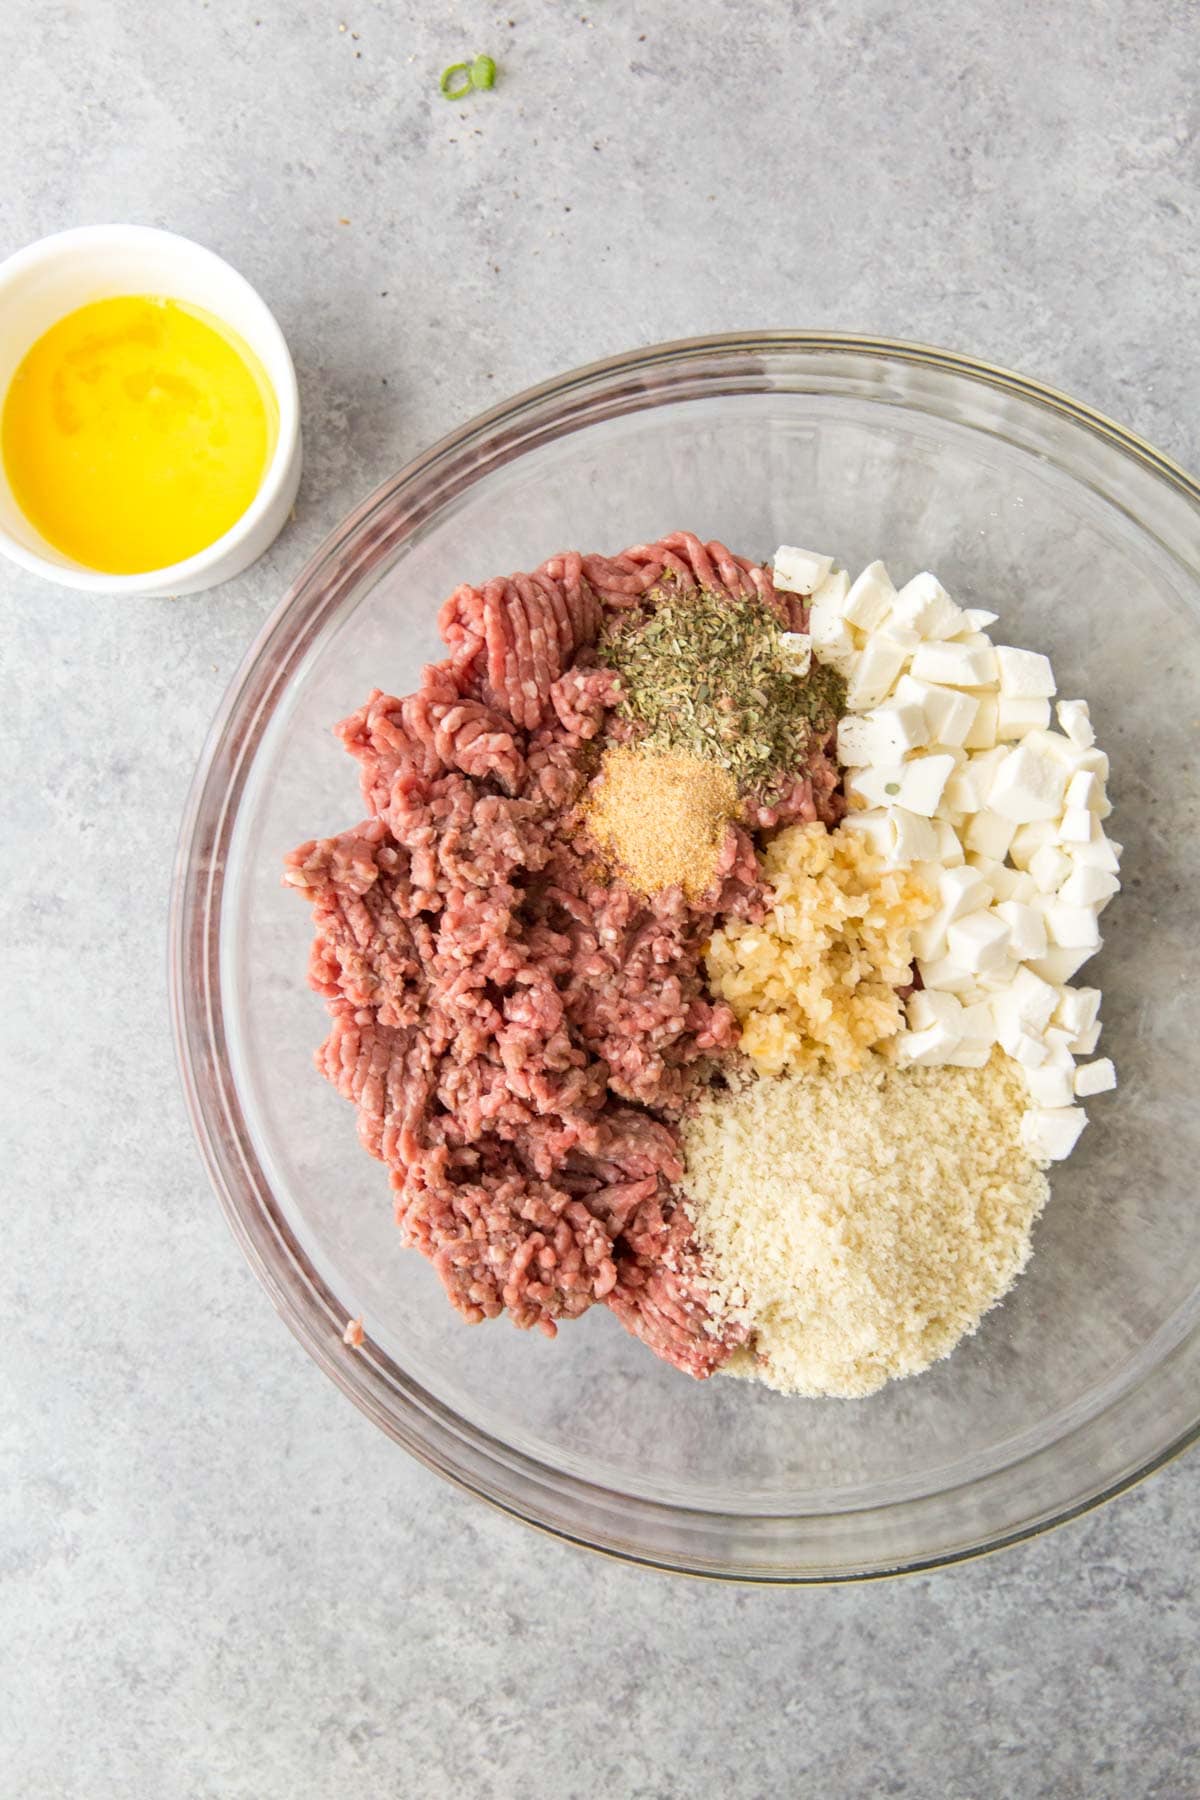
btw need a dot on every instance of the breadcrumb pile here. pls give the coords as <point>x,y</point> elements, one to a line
<point>862,1224</point>
<point>815,984</point>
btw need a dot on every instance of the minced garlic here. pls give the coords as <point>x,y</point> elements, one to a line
<point>816,981</point>
<point>862,1224</point>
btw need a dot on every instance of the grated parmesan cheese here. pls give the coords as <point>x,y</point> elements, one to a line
<point>861,1225</point>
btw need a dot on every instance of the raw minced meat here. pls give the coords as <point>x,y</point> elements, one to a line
<point>518,1033</point>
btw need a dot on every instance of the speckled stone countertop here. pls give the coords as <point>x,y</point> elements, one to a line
<point>216,1578</point>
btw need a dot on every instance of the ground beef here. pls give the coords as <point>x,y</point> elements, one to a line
<point>517,1032</point>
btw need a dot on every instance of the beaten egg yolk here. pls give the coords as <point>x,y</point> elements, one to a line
<point>136,432</point>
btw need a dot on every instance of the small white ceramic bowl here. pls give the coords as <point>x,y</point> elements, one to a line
<point>43,282</point>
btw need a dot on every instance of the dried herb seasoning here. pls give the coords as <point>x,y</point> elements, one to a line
<point>708,675</point>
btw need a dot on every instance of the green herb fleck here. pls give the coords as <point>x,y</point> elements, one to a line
<point>891,787</point>
<point>478,74</point>
<point>706,674</point>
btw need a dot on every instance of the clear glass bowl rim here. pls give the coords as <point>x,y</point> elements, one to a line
<point>772,1549</point>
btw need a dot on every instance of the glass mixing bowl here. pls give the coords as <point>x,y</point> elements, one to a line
<point>1087,542</point>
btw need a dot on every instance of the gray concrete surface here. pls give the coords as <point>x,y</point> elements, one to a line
<point>216,1579</point>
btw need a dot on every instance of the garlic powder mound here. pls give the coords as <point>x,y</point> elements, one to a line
<point>816,982</point>
<point>861,1225</point>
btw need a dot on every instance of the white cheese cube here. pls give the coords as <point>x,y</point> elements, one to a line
<point>977,1023</point>
<point>899,727</point>
<point>833,646</point>
<point>950,713</point>
<point>977,619</point>
<point>1077,1009</point>
<point>1085,791</point>
<point>800,571</point>
<point>901,635</point>
<point>934,1007</point>
<point>948,975</point>
<point>913,838</point>
<point>1026,928</point>
<point>983,729</point>
<point>1058,965</point>
<point>925,606</point>
<point>1002,880</point>
<point>833,590</point>
<point>1058,1048</point>
<point>978,942</point>
<point>1028,785</point>
<point>874,825</point>
<point>1049,868</point>
<point>1088,887</point>
<point>1053,743</point>
<point>1014,718</point>
<point>870,599</point>
<point>969,1055</point>
<point>922,783</point>
<point>1027,1050</point>
<point>961,891</point>
<point>877,667</point>
<point>1033,998</point>
<point>879,785</point>
<point>929,938</point>
<point>955,665</point>
<point>1050,1085</point>
<point>1093,760</point>
<point>797,651</point>
<point>1078,826</point>
<point>989,834</point>
<point>1086,1042</point>
<point>949,847</point>
<point>994,982</point>
<point>1095,1078</point>
<point>1024,675</point>
<point>1028,840</point>
<point>1050,1133</point>
<point>855,741</point>
<point>1073,927</point>
<point>964,790</point>
<point>1075,718</point>
<point>926,1049</point>
<point>1100,853</point>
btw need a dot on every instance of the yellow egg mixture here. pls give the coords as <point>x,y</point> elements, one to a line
<point>136,431</point>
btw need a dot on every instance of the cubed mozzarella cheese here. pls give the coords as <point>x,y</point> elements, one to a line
<point>1050,1085</point>
<point>1085,1042</point>
<point>797,650</point>
<point>1028,840</point>
<point>1033,998</point>
<point>925,606</point>
<point>955,665</point>
<point>950,713</point>
<point>913,838</point>
<point>1075,718</point>
<point>899,727</point>
<point>1026,928</point>
<point>947,974</point>
<point>1099,853</point>
<point>874,825</point>
<point>989,834</point>
<point>1049,867</point>
<point>978,941</point>
<point>799,571</point>
<point>870,598</point>
<point>922,783</point>
<point>1024,675</point>
<point>1088,887</point>
<point>1095,1078</point>
<point>1050,1133</point>
<point>1085,791</point>
<point>875,669</point>
<point>1072,927</point>
<point>926,1049</point>
<point>977,619</point>
<point>855,741</point>
<point>961,891</point>
<point>934,1007</point>
<point>1058,965</point>
<point>949,845</point>
<point>1028,785</point>
<point>1078,826</point>
<point>1077,1009</point>
<point>983,729</point>
<point>1014,718</point>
